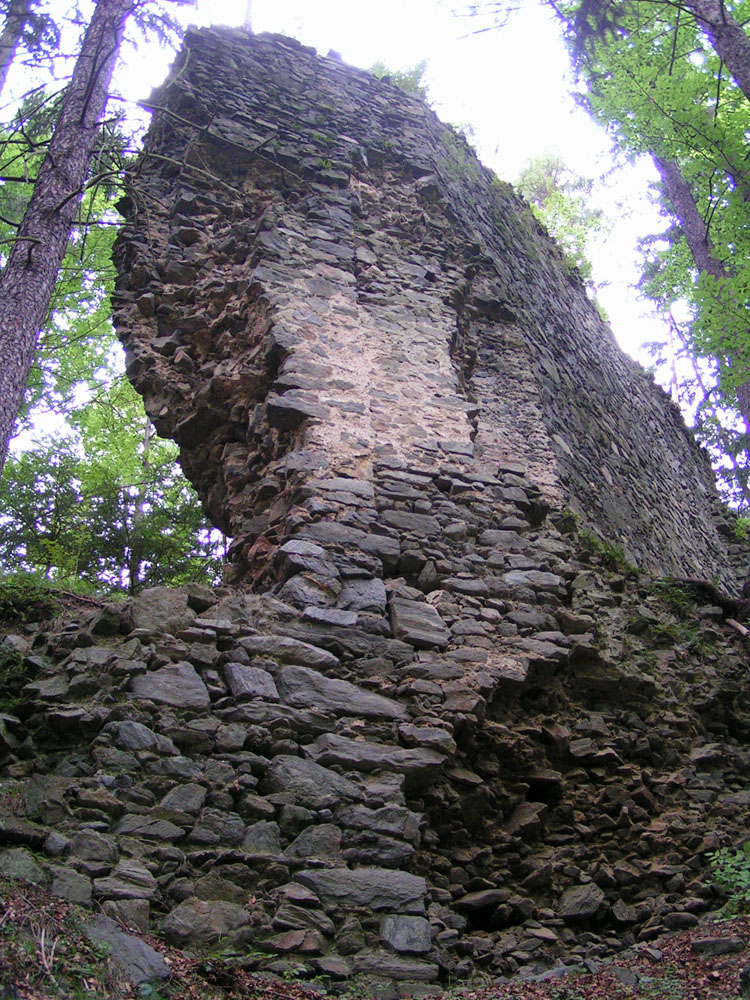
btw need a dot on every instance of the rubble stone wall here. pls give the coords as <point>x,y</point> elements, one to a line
<point>318,275</point>
<point>438,729</point>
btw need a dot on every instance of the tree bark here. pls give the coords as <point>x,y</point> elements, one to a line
<point>730,42</point>
<point>692,224</point>
<point>15,22</point>
<point>696,234</point>
<point>28,280</point>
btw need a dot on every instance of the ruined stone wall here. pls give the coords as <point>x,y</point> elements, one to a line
<point>437,730</point>
<point>318,275</point>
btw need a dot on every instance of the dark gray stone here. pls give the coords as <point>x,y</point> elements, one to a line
<point>262,838</point>
<point>322,841</point>
<point>309,784</point>
<point>421,767</point>
<point>250,682</point>
<point>203,922</point>
<point>305,688</point>
<point>177,685</point>
<point>582,902</point>
<point>286,650</point>
<point>140,962</point>
<point>373,888</point>
<point>406,934</point>
<point>363,595</point>
<point>418,623</point>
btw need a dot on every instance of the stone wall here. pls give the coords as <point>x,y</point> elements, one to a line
<point>439,729</point>
<point>318,275</point>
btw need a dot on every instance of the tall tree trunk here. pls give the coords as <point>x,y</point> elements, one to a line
<point>28,279</point>
<point>15,22</point>
<point>695,231</point>
<point>730,42</point>
<point>692,223</point>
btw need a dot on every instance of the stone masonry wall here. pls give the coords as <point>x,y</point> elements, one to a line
<point>436,730</point>
<point>318,276</point>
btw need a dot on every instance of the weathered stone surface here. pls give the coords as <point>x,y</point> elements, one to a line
<point>717,945</point>
<point>18,862</point>
<point>322,841</point>
<point>418,623</point>
<point>140,962</point>
<point>363,595</point>
<point>187,798</point>
<point>201,923</point>
<point>406,934</point>
<point>214,826</point>
<point>286,650</point>
<point>389,966</point>
<point>291,917</point>
<point>71,886</point>
<point>149,828</point>
<point>309,784</point>
<point>162,609</point>
<point>135,736</point>
<point>262,838</point>
<point>177,684</point>
<point>250,682</point>
<point>421,767</point>
<point>582,902</point>
<point>307,688</point>
<point>395,821</point>
<point>375,888</point>
<point>129,880</point>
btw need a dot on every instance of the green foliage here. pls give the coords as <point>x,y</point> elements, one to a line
<point>25,597</point>
<point>655,83</point>
<point>609,554</point>
<point>730,870</point>
<point>105,507</point>
<point>410,80</point>
<point>561,201</point>
<point>458,159</point>
<point>675,595</point>
<point>14,674</point>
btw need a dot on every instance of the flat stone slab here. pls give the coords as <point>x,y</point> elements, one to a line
<point>391,821</point>
<point>406,934</point>
<point>580,903</point>
<point>140,962</point>
<point>386,965</point>
<point>308,784</point>
<point>404,520</point>
<point>534,578</point>
<point>305,688</point>
<point>420,766</point>
<point>177,684</point>
<point>286,650</point>
<point>419,624</point>
<point>374,888</point>
<point>250,682</point>
<point>203,922</point>
<point>331,532</point>
<point>162,609</point>
<point>359,487</point>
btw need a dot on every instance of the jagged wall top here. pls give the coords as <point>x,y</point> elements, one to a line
<point>319,276</point>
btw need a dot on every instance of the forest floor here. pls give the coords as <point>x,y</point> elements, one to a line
<point>45,955</point>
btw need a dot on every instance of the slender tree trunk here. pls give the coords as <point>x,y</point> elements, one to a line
<point>730,42</point>
<point>15,22</point>
<point>692,224</point>
<point>696,234</point>
<point>28,279</point>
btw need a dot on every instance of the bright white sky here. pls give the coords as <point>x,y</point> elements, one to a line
<point>511,86</point>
